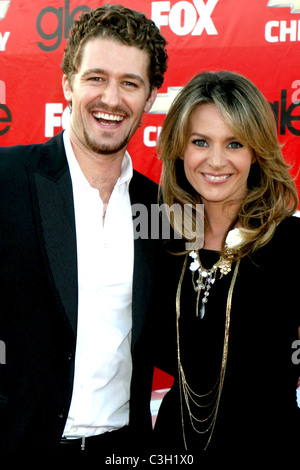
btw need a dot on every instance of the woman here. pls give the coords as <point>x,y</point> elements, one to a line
<point>230,309</point>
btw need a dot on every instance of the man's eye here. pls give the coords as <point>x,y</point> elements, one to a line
<point>130,84</point>
<point>95,79</point>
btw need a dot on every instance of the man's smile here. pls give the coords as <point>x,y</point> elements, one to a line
<point>108,119</point>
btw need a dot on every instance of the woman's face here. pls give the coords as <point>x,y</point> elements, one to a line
<point>215,163</point>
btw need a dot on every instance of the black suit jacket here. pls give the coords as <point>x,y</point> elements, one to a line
<point>38,296</point>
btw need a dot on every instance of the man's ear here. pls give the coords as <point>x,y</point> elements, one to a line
<point>67,88</point>
<point>150,100</point>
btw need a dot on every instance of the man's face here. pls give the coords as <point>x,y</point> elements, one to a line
<point>109,94</point>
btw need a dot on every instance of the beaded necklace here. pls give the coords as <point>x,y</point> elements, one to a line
<point>207,277</point>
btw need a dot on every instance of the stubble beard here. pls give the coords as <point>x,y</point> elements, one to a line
<point>105,149</point>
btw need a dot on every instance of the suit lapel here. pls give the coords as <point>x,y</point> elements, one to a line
<point>54,207</point>
<point>141,279</point>
<point>144,261</point>
<point>53,202</point>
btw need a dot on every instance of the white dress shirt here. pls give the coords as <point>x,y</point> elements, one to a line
<point>103,366</point>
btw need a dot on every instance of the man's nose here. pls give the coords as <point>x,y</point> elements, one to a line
<point>111,94</point>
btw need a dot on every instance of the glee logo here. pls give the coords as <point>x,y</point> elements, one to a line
<point>5,114</point>
<point>285,115</point>
<point>61,19</point>
<point>184,17</point>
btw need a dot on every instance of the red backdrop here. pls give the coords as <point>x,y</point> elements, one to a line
<point>258,38</point>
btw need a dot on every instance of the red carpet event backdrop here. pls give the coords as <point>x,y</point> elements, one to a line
<point>257,38</point>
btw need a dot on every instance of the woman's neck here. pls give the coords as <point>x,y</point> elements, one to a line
<point>218,222</point>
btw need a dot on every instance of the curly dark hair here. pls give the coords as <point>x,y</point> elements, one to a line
<point>124,25</point>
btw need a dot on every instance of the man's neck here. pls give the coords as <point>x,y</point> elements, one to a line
<point>101,171</point>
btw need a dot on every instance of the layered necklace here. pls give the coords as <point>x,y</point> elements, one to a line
<point>207,277</point>
<point>207,403</point>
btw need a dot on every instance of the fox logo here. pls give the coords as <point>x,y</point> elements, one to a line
<point>3,8</point>
<point>293,4</point>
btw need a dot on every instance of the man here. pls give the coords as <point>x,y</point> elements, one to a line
<point>75,282</point>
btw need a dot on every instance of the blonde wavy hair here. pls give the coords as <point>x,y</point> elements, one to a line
<point>272,194</point>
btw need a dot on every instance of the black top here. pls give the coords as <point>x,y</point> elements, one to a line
<point>258,408</point>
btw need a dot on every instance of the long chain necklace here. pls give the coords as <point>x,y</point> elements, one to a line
<point>207,277</point>
<point>211,399</point>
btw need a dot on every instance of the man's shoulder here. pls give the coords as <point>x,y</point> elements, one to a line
<point>18,156</point>
<point>17,151</point>
<point>14,160</point>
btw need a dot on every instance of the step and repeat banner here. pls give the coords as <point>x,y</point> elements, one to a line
<point>257,38</point>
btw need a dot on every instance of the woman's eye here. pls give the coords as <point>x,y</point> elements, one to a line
<point>235,145</point>
<point>200,142</point>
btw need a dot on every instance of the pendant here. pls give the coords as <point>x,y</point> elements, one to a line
<point>206,278</point>
<point>202,311</point>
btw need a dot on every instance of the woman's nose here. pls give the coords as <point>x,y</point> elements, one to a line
<point>217,158</point>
